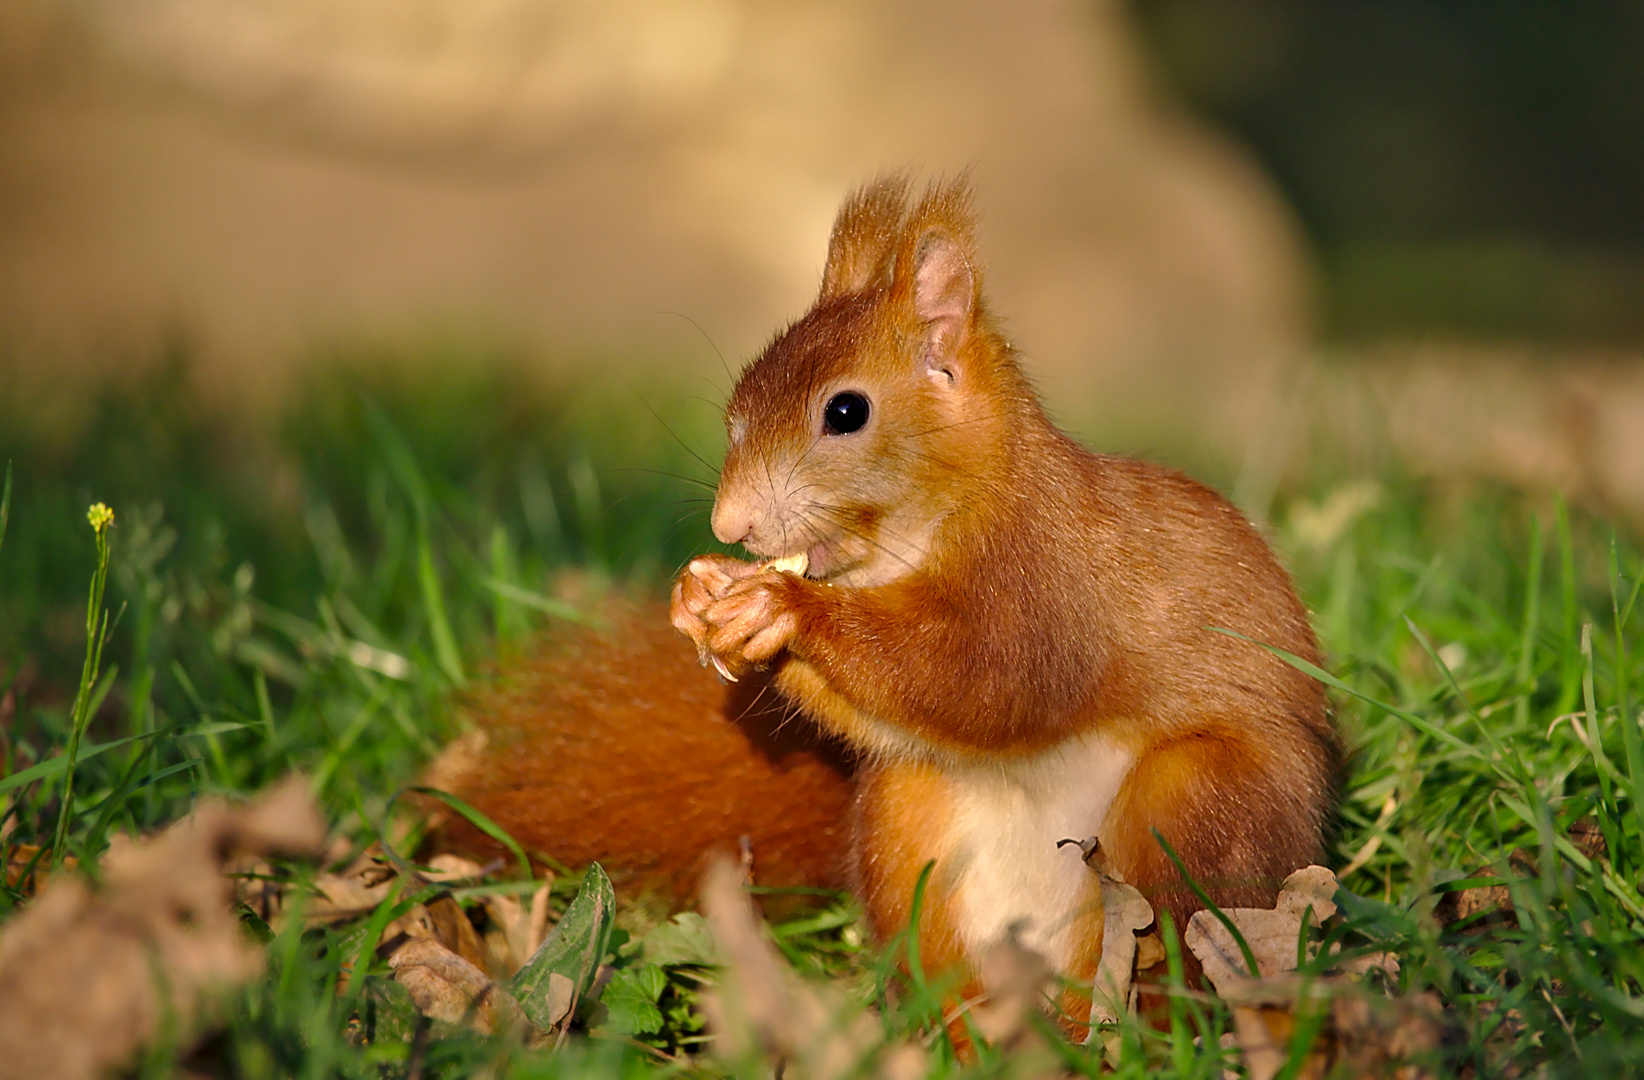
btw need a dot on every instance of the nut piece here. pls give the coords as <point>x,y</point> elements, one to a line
<point>792,564</point>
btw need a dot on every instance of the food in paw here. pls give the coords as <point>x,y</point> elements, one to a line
<point>792,564</point>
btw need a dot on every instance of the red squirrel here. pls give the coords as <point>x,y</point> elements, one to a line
<point>1015,639</point>
<point>1017,636</point>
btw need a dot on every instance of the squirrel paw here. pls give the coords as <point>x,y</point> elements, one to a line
<point>753,621</point>
<point>735,613</point>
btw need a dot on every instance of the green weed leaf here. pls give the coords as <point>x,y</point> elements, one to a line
<point>684,939</point>
<point>631,998</point>
<point>572,953</point>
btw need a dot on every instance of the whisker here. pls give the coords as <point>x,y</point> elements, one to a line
<point>801,458</point>
<point>837,513</point>
<point>716,406</point>
<point>683,444</point>
<point>672,476</point>
<point>705,337</point>
<point>949,427</point>
<point>926,455</point>
<point>751,705</point>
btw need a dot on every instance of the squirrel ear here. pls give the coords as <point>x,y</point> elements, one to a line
<point>944,296</point>
<point>862,247</point>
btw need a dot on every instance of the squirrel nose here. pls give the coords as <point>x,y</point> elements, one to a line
<point>732,523</point>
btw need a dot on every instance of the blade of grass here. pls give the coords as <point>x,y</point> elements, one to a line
<point>1631,744</point>
<point>482,823</point>
<point>105,812</point>
<point>5,505</point>
<point>559,609</point>
<point>1500,751</point>
<point>1608,817</point>
<point>1532,618</point>
<point>1615,885</point>
<point>402,463</point>
<point>1209,904</point>
<point>1570,690</point>
<point>433,601</point>
<point>338,753</point>
<point>1417,722</point>
<point>55,766</point>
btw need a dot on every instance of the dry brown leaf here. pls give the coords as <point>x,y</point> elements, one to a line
<point>255,886</point>
<point>28,867</point>
<point>449,926</point>
<point>1150,950</point>
<point>357,890</point>
<point>1370,1036</point>
<point>448,869</point>
<point>447,987</point>
<point>540,914</point>
<point>1495,902</point>
<point>1015,978</point>
<point>1125,912</point>
<point>761,1010</point>
<point>1367,1035</point>
<point>1271,934</point>
<point>353,892</point>
<point>86,978</point>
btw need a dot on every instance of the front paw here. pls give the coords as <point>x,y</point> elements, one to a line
<point>752,622</point>
<point>703,582</point>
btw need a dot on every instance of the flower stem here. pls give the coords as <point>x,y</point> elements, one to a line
<point>101,518</point>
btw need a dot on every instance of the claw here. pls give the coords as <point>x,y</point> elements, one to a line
<point>724,672</point>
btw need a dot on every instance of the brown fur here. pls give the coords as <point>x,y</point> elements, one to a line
<point>983,589</point>
<point>612,744</point>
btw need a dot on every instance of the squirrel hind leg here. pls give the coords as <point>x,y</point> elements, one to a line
<point>1239,816</point>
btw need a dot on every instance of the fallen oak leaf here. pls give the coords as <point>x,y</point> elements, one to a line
<point>760,1012</point>
<point>1490,901</point>
<point>448,924</point>
<point>351,893</point>
<point>1125,912</point>
<point>1014,977</point>
<point>87,977</point>
<point>1271,934</point>
<point>1338,1027</point>
<point>28,867</point>
<point>512,940</point>
<point>537,932</point>
<point>447,987</point>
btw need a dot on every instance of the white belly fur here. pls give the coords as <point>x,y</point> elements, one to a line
<point>1001,851</point>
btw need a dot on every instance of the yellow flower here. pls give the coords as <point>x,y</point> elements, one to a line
<point>100,516</point>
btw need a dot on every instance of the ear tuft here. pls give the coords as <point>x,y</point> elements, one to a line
<point>944,295</point>
<point>862,247</point>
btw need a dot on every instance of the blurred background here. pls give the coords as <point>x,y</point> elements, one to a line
<point>1284,244</point>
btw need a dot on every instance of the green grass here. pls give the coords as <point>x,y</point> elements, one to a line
<point>312,596</point>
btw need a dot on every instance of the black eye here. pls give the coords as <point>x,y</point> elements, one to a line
<point>845,413</point>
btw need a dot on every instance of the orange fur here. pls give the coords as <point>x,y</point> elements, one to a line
<point>1018,635</point>
<point>612,744</point>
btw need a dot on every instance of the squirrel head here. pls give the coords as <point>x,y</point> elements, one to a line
<point>874,418</point>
